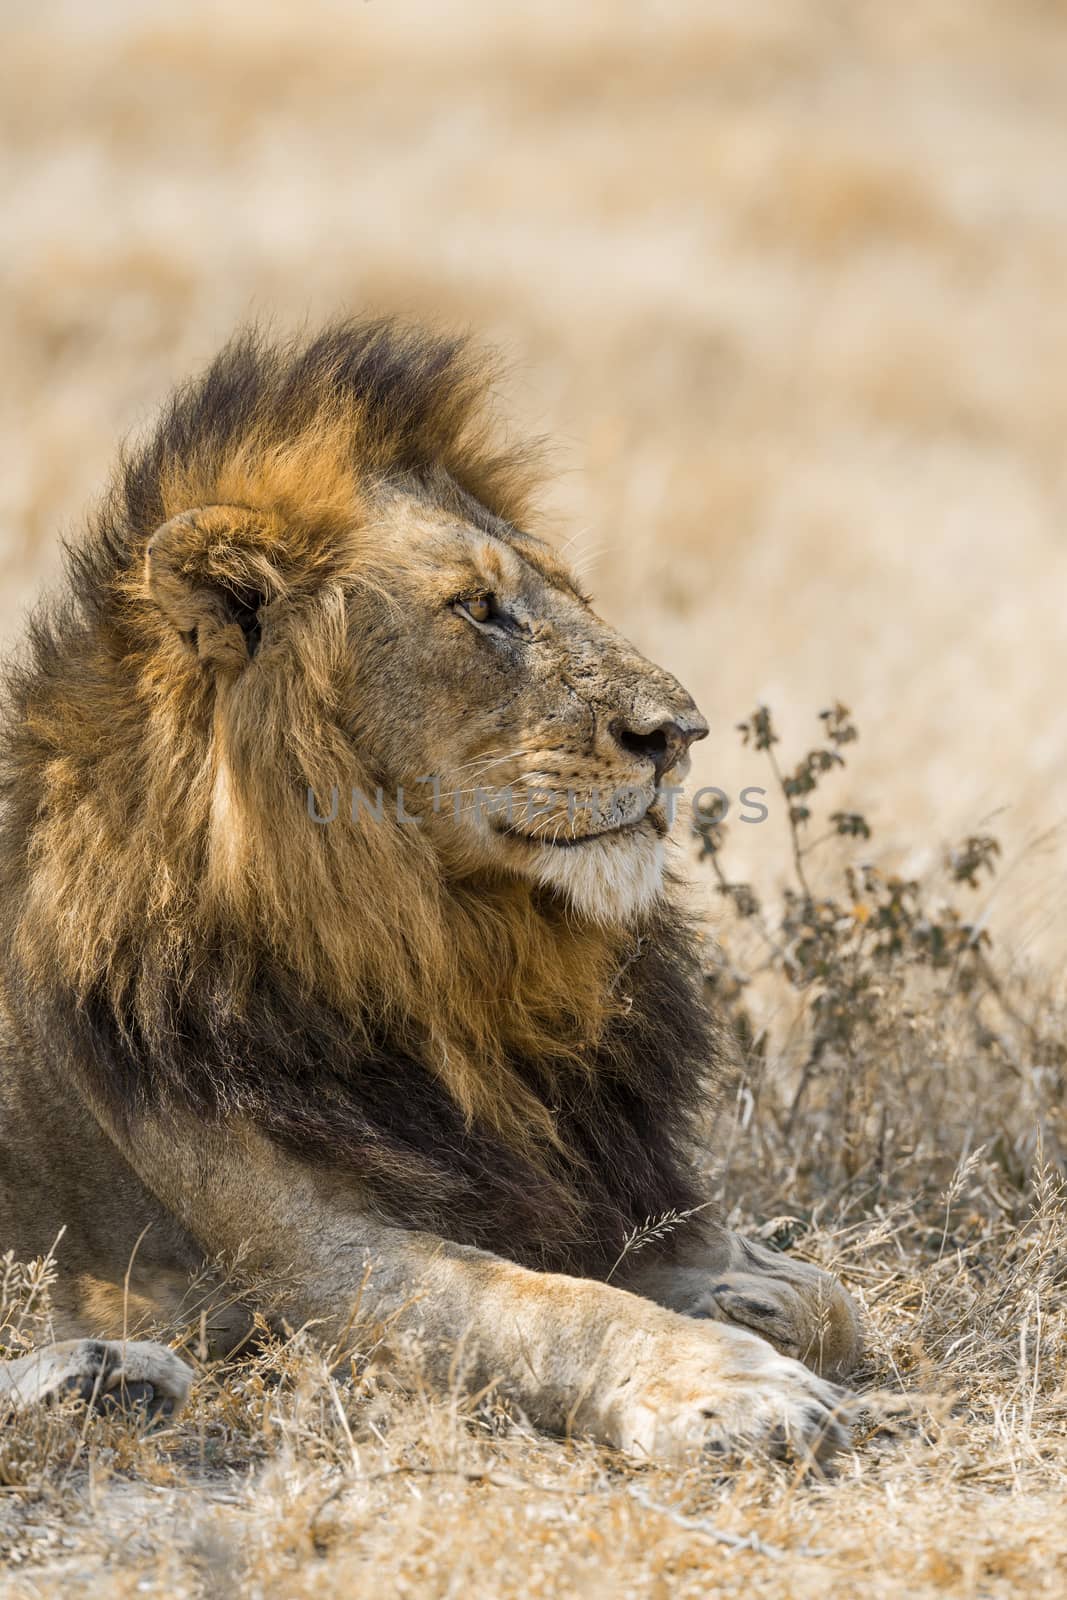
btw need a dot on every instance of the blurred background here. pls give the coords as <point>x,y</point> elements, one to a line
<point>783,280</point>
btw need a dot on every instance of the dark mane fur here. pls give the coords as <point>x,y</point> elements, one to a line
<point>288,1062</point>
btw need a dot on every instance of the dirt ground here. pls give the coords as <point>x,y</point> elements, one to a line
<point>782,280</point>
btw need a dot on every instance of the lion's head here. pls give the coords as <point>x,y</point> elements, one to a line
<point>486,701</point>
<point>466,669</point>
<point>318,581</point>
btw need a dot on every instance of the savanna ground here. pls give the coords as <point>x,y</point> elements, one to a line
<point>784,280</point>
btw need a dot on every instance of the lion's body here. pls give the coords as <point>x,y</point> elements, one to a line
<point>392,1040</point>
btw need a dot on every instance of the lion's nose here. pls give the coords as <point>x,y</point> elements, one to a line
<point>664,744</point>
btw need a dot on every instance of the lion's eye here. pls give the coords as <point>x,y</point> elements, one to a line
<point>480,609</point>
<point>485,611</point>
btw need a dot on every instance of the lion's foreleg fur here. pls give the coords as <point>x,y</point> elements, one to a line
<point>573,1354</point>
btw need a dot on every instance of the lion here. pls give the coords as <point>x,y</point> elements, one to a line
<point>340,937</point>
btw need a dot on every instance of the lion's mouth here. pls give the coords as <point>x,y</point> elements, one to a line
<point>618,830</point>
<point>569,843</point>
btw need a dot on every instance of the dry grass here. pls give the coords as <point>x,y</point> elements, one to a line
<point>785,280</point>
<point>284,1479</point>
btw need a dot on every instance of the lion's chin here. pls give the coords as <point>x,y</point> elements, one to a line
<point>612,879</point>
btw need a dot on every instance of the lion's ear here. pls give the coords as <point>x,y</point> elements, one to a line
<point>210,571</point>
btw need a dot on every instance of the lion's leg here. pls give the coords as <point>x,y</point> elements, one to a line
<point>574,1354</point>
<point>101,1372</point>
<point>802,1310</point>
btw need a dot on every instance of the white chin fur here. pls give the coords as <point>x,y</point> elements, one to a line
<point>611,880</point>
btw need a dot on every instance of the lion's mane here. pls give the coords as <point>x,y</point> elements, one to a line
<point>482,1063</point>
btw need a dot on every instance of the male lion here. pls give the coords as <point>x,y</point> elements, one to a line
<point>286,976</point>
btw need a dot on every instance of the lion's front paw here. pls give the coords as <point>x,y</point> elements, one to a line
<point>801,1309</point>
<point>729,1393</point>
<point>134,1375</point>
<point>804,1314</point>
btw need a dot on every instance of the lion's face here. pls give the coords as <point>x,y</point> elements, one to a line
<point>527,734</point>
